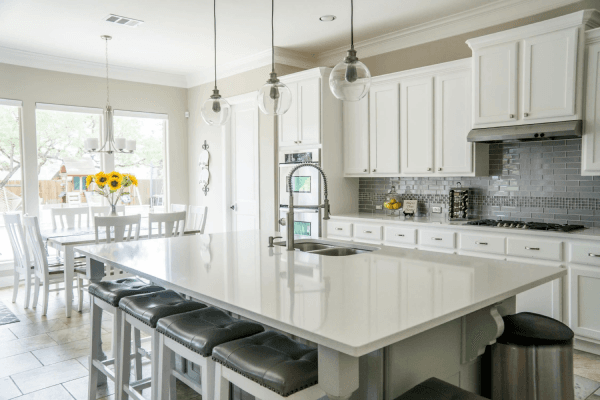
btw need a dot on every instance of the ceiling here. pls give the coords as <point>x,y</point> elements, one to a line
<point>176,36</point>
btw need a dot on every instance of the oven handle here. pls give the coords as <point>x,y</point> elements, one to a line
<point>300,210</point>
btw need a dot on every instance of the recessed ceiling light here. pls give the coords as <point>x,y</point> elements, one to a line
<point>327,18</point>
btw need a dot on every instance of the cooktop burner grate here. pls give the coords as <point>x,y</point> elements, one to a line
<point>538,226</point>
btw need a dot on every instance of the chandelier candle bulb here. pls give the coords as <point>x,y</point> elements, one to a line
<point>131,145</point>
<point>120,143</point>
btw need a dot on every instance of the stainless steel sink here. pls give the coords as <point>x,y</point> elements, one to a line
<point>326,248</point>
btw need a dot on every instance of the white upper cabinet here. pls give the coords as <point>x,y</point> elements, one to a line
<point>301,124</point>
<point>384,133</point>
<point>495,95</point>
<point>531,74</point>
<point>453,154</point>
<point>590,146</point>
<point>416,126</point>
<point>356,136</point>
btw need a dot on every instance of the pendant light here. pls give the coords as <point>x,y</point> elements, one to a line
<point>350,79</point>
<point>274,98</point>
<point>215,110</point>
<point>110,145</point>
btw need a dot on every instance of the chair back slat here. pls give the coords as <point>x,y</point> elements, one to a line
<point>104,211</point>
<point>169,224</point>
<point>36,244</point>
<point>115,228</point>
<point>18,242</point>
<point>197,219</point>
<point>68,217</point>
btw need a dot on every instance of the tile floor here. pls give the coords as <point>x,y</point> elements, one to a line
<point>45,358</point>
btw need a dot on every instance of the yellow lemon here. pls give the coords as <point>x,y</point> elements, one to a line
<point>396,206</point>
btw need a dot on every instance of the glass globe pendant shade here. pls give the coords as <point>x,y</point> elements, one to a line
<point>274,98</point>
<point>350,80</point>
<point>216,110</point>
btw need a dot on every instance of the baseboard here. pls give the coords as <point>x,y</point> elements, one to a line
<point>586,344</point>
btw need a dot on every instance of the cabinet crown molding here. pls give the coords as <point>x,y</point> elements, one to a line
<point>451,66</point>
<point>586,18</point>
<point>592,36</point>
<point>318,72</point>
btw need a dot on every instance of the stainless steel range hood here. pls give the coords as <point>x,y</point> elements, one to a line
<point>523,133</point>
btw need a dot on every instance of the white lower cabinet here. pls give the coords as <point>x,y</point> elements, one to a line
<point>367,232</point>
<point>483,243</point>
<point>437,239</point>
<point>338,229</point>
<point>585,300</point>
<point>535,248</point>
<point>400,236</point>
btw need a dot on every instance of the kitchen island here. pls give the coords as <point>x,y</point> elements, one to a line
<point>383,320</point>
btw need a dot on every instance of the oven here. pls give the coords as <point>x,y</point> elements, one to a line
<point>307,222</point>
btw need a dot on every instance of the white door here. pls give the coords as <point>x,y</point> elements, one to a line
<point>385,133</point>
<point>585,301</point>
<point>453,154</point>
<point>495,84</point>
<point>288,130</point>
<point>416,126</point>
<point>309,109</point>
<point>590,161</point>
<point>244,183</point>
<point>356,136</point>
<point>549,67</point>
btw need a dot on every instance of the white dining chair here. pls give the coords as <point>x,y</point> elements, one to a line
<point>74,198</point>
<point>178,207</point>
<point>169,224</point>
<point>197,218</point>
<point>70,217</point>
<point>22,262</point>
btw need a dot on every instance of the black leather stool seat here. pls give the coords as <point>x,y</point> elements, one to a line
<point>202,330</point>
<point>113,291</point>
<point>272,360</point>
<point>149,308</point>
<point>435,389</point>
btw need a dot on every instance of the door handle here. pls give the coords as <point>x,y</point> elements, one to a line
<point>434,238</point>
<point>367,232</point>
<point>531,248</point>
<point>399,234</point>
<point>233,207</point>
<point>593,255</point>
<point>481,243</point>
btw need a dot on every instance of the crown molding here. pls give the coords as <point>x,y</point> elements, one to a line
<point>481,17</point>
<point>79,67</point>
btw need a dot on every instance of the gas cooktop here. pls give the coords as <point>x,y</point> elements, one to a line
<point>539,226</point>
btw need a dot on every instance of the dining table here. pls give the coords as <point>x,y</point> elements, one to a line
<point>64,240</point>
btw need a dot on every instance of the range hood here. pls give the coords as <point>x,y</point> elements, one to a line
<point>523,133</point>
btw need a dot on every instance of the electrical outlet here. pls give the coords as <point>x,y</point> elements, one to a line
<point>380,207</point>
<point>436,210</point>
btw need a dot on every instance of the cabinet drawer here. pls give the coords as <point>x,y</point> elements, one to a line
<point>585,253</point>
<point>368,232</point>
<point>483,244</point>
<point>343,229</point>
<point>400,235</point>
<point>532,248</point>
<point>436,239</point>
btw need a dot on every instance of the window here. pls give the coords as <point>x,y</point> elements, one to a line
<point>11,194</point>
<point>62,160</point>
<point>148,162</point>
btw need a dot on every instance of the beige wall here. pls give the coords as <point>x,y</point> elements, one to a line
<point>31,85</point>
<point>455,48</point>
<point>199,131</point>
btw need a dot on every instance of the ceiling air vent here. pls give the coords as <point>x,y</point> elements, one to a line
<point>125,21</point>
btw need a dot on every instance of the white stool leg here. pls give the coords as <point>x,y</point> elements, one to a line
<point>79,293</point>
<point>124,362</point>
<point>94,354</point>
<point>117,321</point>
<point>137,342</point>
<point>207,379</point>
<point>221,384</point>
<point>155,364</point>
<point>167,382</point>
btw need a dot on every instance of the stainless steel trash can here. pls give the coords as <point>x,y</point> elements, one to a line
<point>533,359</point>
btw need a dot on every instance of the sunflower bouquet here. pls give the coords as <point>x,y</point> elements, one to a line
<point>113,186</point>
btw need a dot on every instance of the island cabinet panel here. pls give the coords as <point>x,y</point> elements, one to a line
<point>454,288</point>
<point>585,301</point>
<point>368,232</point>
<point>395,235</point>
<point>483,243</point>
<point>534,248</point>
<point>384,130</point>
<point>437,239</point>
<point>356,137</point>
<point>418,292</point>
<point>416,126</point>
<point>585,253</point>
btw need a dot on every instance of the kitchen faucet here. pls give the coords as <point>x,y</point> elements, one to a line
<point>290,214</point>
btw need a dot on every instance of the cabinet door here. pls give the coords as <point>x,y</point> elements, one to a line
<point>385,135</point>
<point>416,126</point>
<point>309,111</point>
<point>288,128</point>
<point>495,79</point>
<point>549,67</point>
<point>590,154</point>
<point>585,301</point>
<point>453,154</point>
<point>356,136</point>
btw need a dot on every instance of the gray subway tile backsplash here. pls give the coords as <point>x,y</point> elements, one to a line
<point>533,181</point>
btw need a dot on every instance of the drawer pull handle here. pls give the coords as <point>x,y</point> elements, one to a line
<point>434,238</point>
<point>531,248</point>
<point>481,243</point>
<point>339,229</point>
<point>399,234</point>
<point>367,232</point>
<point>594,255</point>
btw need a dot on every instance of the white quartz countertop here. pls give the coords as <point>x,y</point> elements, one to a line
<point>432,222</point>
<point>354,304</point>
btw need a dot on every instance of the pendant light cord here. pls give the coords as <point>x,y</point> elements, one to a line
<point>215,37</point>
<point>272,35</point>
<point>107,91</point>
<point>352,24</point>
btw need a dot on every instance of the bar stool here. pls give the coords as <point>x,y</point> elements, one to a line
<point>193,335</point>
<point>436,389</point>
<point>105,296</point>
<point>143,313</point>
<point>269,366</point>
